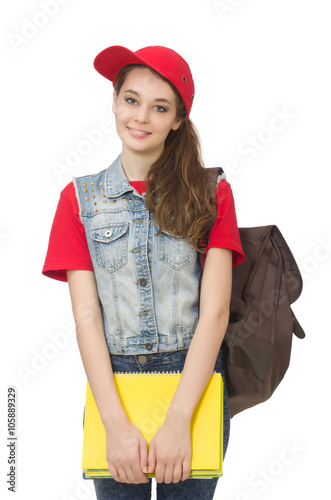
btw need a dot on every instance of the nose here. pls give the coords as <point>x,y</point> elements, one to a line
<point>142,114</point>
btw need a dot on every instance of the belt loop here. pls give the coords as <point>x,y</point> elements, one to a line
<point>180,337</point>
<point>118,343</point>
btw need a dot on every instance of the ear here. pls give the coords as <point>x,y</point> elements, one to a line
<point>176,125</point>
<point>114,102</point>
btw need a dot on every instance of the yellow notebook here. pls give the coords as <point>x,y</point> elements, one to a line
<point>146,398</point>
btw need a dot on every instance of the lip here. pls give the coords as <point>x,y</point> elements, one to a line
<point>135,132</point>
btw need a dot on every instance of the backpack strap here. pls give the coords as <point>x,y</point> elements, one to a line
<point>214,176</point>
<point>297,328</point>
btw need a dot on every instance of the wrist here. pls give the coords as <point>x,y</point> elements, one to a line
<point>178,413</point>
<point>114,419</point>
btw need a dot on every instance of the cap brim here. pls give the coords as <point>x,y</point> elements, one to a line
<point>111,60</point>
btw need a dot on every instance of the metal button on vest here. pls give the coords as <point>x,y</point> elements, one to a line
<point>149,346</point>
<point>143,282</point>
<point>142,359</point>
<point>108,233</point>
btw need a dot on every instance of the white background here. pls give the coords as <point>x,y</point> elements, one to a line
<point>251,60</point>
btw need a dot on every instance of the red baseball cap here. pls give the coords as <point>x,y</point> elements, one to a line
<point>163,60</point>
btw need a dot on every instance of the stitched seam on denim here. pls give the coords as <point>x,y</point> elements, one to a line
<point>74,180</point>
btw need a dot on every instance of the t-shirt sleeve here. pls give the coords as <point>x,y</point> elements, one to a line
<point>225,232</point>
<point>67,247</point>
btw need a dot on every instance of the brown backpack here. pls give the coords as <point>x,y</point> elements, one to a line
<point>259,335</point>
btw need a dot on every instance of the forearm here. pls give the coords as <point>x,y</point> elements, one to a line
<point>97,365</point>
<point>93,348</point>
<point>207,339</point>
<point>199,365</point>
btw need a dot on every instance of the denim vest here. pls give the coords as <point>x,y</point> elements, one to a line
<point>148,285</point>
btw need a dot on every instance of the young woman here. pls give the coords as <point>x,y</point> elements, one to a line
<point>126,240</point>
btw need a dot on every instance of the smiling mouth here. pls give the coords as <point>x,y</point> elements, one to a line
<point>138,132</point>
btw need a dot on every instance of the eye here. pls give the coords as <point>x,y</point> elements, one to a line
<point>160,109</point>
<point>130,100</point>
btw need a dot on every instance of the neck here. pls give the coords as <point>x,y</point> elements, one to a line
<point>136,165</point>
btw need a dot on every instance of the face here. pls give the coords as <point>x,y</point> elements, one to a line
<point>145,112</point>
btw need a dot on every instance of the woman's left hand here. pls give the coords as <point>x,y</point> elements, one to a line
<point>170,451</point>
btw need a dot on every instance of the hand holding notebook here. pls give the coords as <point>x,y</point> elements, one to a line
<point>170,450</point>
<point>127,452</point>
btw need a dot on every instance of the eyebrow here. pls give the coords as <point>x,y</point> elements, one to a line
<point>156,100</point>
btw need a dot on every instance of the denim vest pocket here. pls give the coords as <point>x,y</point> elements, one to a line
<point>111,245</point>
<point>174,251</point>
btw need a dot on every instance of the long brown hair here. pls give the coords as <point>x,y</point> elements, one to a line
<point>177,190</point>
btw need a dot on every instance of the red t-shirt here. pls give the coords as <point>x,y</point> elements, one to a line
<point>68,249</point>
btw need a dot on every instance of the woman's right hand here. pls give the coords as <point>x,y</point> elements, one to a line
<point>127,452</point>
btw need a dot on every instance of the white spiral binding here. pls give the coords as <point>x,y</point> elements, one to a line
<point>148,373</point>
<point>144,374</point>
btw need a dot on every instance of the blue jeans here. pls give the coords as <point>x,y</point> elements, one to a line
<point>192,489</point>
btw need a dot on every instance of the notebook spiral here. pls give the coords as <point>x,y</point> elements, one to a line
<point>143,374</point>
